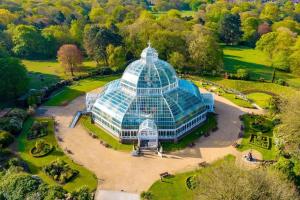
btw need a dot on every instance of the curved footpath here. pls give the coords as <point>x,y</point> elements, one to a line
<point>120,171</point>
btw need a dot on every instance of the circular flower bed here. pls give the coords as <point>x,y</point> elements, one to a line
<point>192,182</point>
<point>41,149</point>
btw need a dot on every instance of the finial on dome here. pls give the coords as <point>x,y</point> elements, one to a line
<point>149,43</point>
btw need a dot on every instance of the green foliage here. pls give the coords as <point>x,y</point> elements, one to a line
<point>289,130</point>
<point>36,164</point>
<point>5,139</point>
<point>105,137</point>
<point>206,54</point>
<point>13,78</point>
<point>41,148</point>
<point>97,39</point>
<point>38,129</point>
<point>17,113</point>
<point>243,74</point>
<point>11,124</point>
<point>206,128</point>
<point>82,193</point>
<point>230,29</point>
<point>177,60</point>
<point>146,195</point>
<point>286,166</point>
<point>60,171</point>
<point>29,42</point>
<point>15,186</point>
<point>261,144</point>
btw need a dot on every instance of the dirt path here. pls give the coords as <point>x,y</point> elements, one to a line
<point>120,171</point>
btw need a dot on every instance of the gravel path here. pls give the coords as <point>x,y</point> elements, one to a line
<point>120,171</point>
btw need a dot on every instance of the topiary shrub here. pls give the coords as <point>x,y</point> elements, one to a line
<point>146,195</point>
<point>243,74</point>
<point>192,182</point>
<point>60,171</point>
<point>5,139</point>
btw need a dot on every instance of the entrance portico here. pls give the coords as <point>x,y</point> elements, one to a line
<point>148,135</point>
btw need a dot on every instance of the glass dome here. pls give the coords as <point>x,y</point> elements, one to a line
<point>149,74</point>
<point>149,90</point>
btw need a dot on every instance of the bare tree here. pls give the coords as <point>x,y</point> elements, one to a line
<point>70,57</point>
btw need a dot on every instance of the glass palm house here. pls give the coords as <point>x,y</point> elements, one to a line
<point>149,103</point>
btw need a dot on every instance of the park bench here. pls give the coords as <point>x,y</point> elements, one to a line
<point>164,175</point>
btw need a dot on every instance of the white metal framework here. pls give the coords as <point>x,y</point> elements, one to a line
<point>149,87</point>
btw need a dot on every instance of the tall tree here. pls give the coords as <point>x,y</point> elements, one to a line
<point>70,57</point>
<point>13,78</point>
<point>294,58</point>
<point>97,39</point>
<point>230,29</point>
<point>206,53</point>
<point>28,42</point>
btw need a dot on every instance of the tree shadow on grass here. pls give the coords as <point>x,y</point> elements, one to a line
<point>39,80</point>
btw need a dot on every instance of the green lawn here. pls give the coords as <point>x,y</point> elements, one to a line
<point>175,188</point>
<point>196,134</point>
<point>230,96</point>
<point>261,99</point>
<point>69,93</point>
<point>252,86</point>
<point>268,154</point>
<point>51,70</point>
<point>258,64</point>
<point>104,136</point>
<point>85,177</point>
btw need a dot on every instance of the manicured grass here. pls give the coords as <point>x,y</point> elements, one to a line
<point>230,96</point>
<point>175,188</point>
<point>196,134</point>
<point>69,93</point>
<point>85,177</point>
<point>268,154</point>
<point>252,86</point>
<point>256,62</point>
<point>51,71</point>
<point>104,136</point>
<point>261,99</point>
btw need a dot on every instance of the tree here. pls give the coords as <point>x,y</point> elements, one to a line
<point>76,31</point>
<point>289,131</point>
<point>97,39</point>
<point>263,28</point>
<point>294,58</point>
<point>70,57</point>
<point>28,42</point>
<point>252,184</point>
<point>270,12</point>
<point>206,53</point>
<point>177,60</point>
<point>6,17</point>
<point>249,28</point>
<point>229,29</point>
<point>277,45</point>
<point>116,56</point>
<point>13,78</point>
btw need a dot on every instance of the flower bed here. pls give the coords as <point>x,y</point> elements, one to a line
<point>60,171</point>
<point>41,149</point>
<point>38,129</point>
<point>260,140</point>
